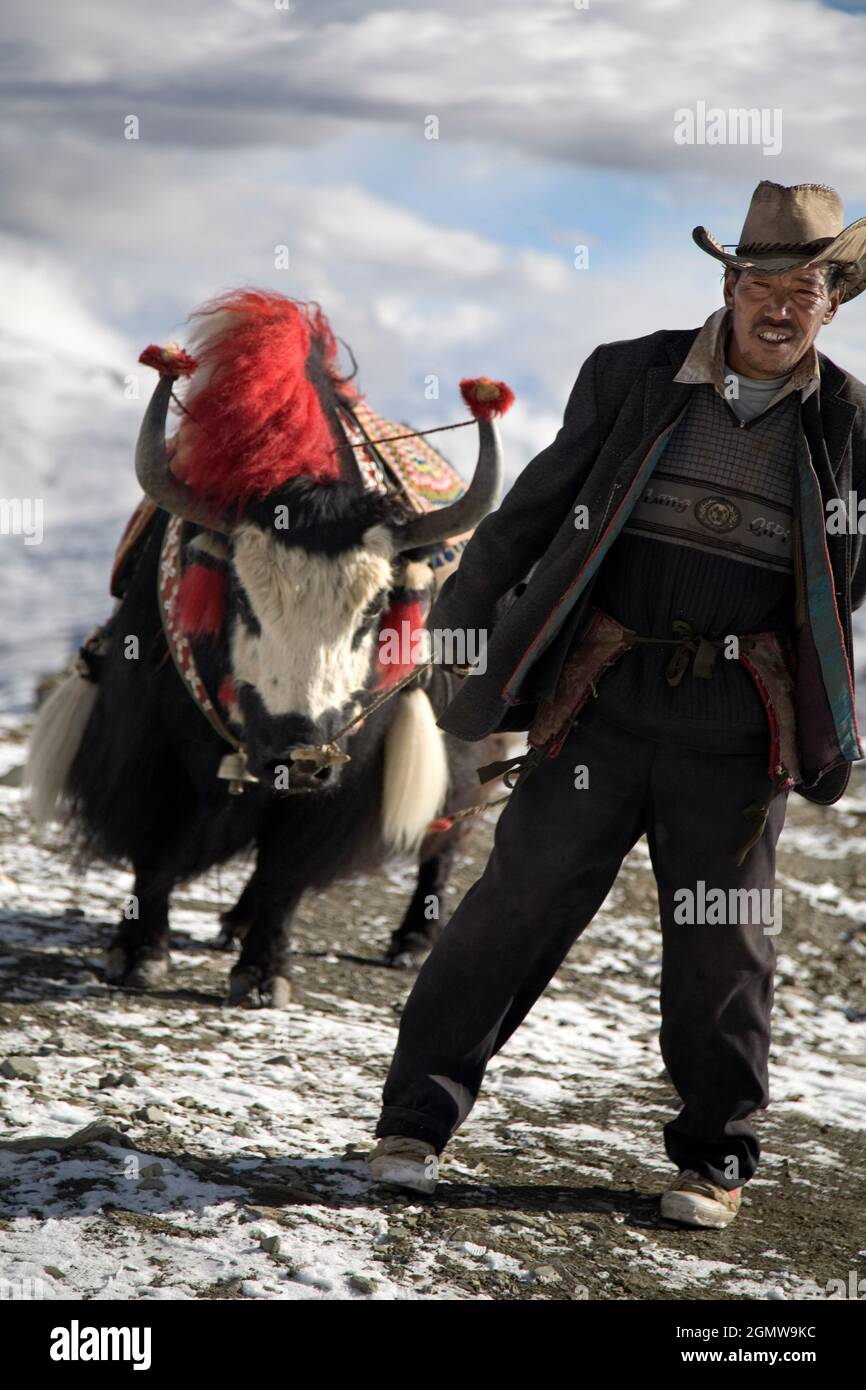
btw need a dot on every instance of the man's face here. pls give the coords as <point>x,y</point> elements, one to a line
<point>775,318</point>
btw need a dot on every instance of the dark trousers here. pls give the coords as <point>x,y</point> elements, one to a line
<point>557,851</point>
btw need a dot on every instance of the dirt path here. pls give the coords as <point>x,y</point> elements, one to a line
<point>257,1122</point>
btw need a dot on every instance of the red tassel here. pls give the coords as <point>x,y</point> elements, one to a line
<point>402,611</point>
<point>202,601</point>
<point>486,398</point>
<point>227,694</point>
<point>168,361</point>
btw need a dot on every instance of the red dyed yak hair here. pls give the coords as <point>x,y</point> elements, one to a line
<point>202,600</point>
<point>401,610</point>
<point>255,420</point>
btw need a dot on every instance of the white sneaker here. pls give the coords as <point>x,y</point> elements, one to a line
<point>696,1201</point>
<point>398,1161</point>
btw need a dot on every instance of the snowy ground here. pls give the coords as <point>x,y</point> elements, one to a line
<point>258,1122</point>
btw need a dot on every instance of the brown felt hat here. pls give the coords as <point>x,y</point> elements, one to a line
<point>797,226</point>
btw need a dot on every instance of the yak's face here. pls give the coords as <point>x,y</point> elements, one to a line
<point>303,643</point>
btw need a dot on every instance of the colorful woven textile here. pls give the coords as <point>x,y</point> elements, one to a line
<point>409,465</point>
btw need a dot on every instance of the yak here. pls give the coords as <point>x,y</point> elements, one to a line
<point>287,569</point>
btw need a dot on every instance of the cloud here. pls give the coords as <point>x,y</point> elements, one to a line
<point>594,87</point>
<point>263,127</point>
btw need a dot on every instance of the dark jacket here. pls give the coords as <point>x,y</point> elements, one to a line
<point>620,411</point>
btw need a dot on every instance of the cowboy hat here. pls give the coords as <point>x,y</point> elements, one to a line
<point>796,226</point>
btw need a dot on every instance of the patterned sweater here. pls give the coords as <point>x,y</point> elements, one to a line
<point>709,540</point>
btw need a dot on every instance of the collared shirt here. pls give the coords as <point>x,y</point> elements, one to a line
<point>706,362</point>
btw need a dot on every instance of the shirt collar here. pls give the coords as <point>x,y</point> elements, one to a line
<point>706,362</point>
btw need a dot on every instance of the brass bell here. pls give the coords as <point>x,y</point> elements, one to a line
<point>233,769</point>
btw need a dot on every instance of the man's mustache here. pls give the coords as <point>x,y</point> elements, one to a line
<point>775,327</point>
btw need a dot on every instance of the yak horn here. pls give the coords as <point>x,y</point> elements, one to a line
<point>153,470</point>
<point>481,496</point>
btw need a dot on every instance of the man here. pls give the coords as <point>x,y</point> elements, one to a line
<point>687,493</point>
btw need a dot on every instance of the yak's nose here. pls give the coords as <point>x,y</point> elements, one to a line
<point>286,775</point>
<point>311,774</point>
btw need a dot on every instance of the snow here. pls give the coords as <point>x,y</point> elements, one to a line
<point>267,1116</point>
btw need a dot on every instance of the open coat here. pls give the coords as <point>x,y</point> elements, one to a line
<point>621,411</point>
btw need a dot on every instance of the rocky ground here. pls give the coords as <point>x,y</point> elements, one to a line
<point>231,1161</point>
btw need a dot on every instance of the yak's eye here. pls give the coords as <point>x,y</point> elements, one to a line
<point>244,608</point>
<point>370,615</point>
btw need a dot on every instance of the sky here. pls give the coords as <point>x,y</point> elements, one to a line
<point>306,125</point>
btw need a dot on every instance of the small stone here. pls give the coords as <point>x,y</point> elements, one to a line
<point>53,1271</point>
<point>270,1244</point>
<point>459,1236</point>
<point>306,1276</point>
<point>110,1078</point>
<point>281,1060</point>
<point>358,1281</point>
<point>151,1170</point>
<point>151,1114</point>
<point>546,1274</point>
<point>97,1132</point>
<point>19,1069</point>
<point>152,1184</point>
<point>126,1078</point>
<point>256,1212</point>
<point>469,1247</point>
<point>242,1130</point>
<point>231,1285</point>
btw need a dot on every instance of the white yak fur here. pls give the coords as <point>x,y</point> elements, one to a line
<point>416,772</point>
<point>53,744</point>
<point>308,606</point>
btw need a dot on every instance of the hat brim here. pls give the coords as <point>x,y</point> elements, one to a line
<point>849,247</point>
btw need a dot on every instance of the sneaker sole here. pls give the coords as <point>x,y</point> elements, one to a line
<point>397,1172</point>
<point>694,1210</point>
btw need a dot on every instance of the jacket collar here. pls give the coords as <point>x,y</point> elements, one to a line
<point>827,409</point>
<point>705,362</point>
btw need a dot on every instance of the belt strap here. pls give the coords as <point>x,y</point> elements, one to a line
<point>758,811</point>
<point>689,644</point>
